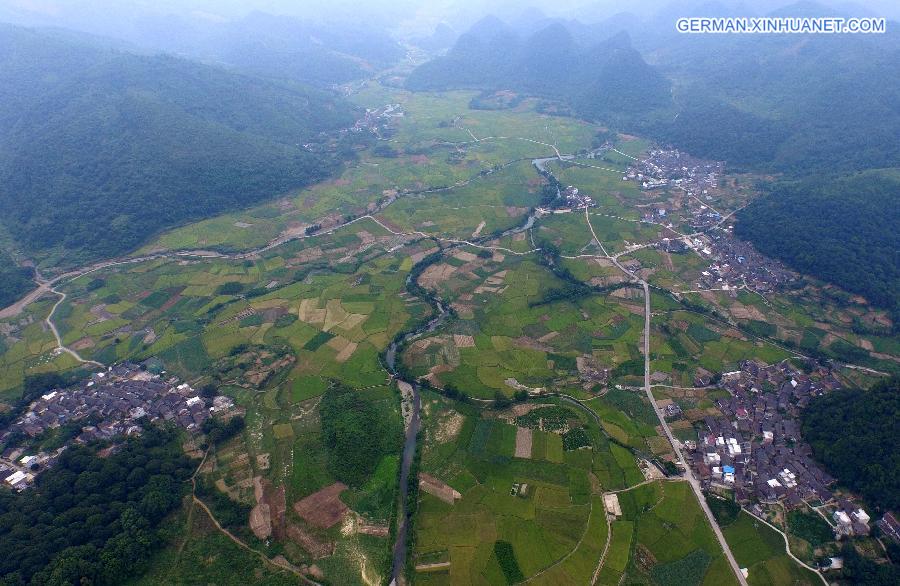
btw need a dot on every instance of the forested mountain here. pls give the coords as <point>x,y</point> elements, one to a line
<point>841,230</point>
<point>14,280</point>
<point>100,149</point>
<point>797,104</point>
<point>854,433</point>
<point>277,46</point>
<point>607,80</point>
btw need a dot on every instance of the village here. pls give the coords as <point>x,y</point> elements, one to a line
<point>106,405</point>
<point>736,264</point>
<point>754,448</point>
<point>670,167</point>
<point>692,184</point>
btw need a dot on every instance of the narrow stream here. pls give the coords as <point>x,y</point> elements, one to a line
<point>412,432</point>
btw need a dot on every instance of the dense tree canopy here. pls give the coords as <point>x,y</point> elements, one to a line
<point>100,149</point>
<point>15,281</point>
<point>356,434</point>
<point>843,231</point>
<point>92,520</point>
<point>854,434</point>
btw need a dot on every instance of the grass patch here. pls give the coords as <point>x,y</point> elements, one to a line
<point>687,571</point>
<point>318,341</point>
<point>809,527</point>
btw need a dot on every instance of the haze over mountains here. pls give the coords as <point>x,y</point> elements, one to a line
<point>92,138</point>
<point>605,79</point>
<point>800,106</point>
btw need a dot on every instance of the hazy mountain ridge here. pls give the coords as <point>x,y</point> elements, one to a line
<point>604,79</point>
<point>100,149</point>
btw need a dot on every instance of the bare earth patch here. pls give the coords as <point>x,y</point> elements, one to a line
<point>304,539</point>
<point>449,427</point>
<point>323,508</point>
<point>524,437</point>
<point>438,488</point>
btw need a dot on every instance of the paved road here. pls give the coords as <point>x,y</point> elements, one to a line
<point>688,473</point>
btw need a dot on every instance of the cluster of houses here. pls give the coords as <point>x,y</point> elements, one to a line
<point>377,120</point>
<point>18,470</point>
<point>111,403</point>
<point>850,519</point>
<point>575,200</point>
<point>735,262</point>
<point>755,449</point>
<point>671,167</point>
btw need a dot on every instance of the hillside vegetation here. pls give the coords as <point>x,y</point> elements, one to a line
<point>606,80</point>
<point>854,434</point>
<point>797,104</point>
<point>101,149</point>
<point>843,231</point>
<point>14,280</point>
<point>93,520</point>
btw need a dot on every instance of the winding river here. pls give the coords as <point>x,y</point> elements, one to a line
<point>412,431</point>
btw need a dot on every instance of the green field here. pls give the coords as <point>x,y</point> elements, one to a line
<point>760,549</point>
<point>663,537</point>
<point>555,525</point>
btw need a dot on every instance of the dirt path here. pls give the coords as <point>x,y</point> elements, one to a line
<point>787,547</point>
<point>17,307</point>
<point>237,541</point>
<point>59,343</point>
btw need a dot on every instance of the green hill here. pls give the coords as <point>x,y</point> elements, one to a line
<point>854,434</point>
<point>14,280</point>
<point>606,80</point>
<point>841,230</point>
<point>798,104</point>
<point>101,149</point>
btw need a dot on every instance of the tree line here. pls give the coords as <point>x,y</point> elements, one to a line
<point>91,519</point>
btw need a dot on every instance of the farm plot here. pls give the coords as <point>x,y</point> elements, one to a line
<point>687,345</point>
<point>663,537</point>
<point>500,200</point>
<point>760,549</point>
<point>542,508</point>
<point>506,339</point>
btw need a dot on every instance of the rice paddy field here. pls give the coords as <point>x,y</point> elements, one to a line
<point>506,495</point>
<point>504,336</point>
<point>760,549</point>
<point>663,537</point>
<point>517,483</point>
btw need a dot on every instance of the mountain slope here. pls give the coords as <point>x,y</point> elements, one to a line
<point>809,103</point>
<point>277,46</point>
<point>288,48</point>
<point>841,230</point>
<point>607,80</point>
<point>14,280</point>
<point>100,149</point>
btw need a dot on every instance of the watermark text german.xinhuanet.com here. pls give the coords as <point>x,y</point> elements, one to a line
<point>781,25</point>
